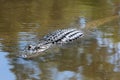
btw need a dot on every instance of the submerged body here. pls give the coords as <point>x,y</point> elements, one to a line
<point>63,36</point>
<point>58,37</point>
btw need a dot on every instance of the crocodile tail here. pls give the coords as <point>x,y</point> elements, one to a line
<point>96,23</point>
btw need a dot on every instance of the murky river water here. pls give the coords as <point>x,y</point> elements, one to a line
<point>25,21</point>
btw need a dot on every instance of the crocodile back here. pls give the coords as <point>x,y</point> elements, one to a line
<point>63,36</point>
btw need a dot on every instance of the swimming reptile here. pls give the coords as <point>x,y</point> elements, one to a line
<point>62,36</point>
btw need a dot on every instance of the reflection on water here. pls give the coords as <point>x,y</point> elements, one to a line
<point>29,69</point>
<point>26,38</point>
<point>23,22</point>
<point>5,68</point>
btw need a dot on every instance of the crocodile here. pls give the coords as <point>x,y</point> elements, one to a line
<point>62,36</point>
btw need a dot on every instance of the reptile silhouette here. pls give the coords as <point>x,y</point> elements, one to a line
<point>62,36</point>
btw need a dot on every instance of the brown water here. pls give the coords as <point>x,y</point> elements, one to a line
<point>25,21</point>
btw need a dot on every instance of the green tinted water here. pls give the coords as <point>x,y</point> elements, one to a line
<point>23,22</point>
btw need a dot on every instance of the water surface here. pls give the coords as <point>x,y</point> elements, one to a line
<point>24,22</point>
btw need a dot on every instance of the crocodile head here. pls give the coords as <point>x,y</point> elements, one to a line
<point>32,51</point>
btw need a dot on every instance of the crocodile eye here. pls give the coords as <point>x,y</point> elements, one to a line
<point>38,47</point>
<point>29,47</point>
